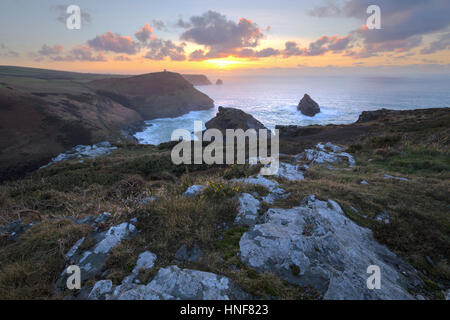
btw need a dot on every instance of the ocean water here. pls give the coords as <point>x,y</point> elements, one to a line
<point>342,99</point>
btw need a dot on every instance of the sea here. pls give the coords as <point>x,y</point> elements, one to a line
<point>274,100</point>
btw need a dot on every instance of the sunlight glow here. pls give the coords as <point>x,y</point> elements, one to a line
<point>225,63</point>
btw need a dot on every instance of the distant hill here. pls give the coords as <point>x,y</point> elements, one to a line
<point>46,112</point>
<point>197,79</point>
<point>47,74</point>
<point>154,95</point>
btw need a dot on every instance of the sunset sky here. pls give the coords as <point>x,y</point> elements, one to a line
<point>220,37</point>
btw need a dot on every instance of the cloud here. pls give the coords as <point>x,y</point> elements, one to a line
<point>219,36</point>
<point>84,53</point>
<point>122,58</point>
<point>62,15</point>
<point>373,49</point>
<point>442,43</point>
<point>182,24</point>
<point>161,49</point>
<point>144,34</point>
<point>431,61</point>
<point>403,23</point>
<point>263,53</point>
<point>5,51</point>
<point>197,55</point>
<point>292,49</point>
<point>323,45</point>
<point>330,9</point>
<point>222,37</point>
<point>77,53</point>
<point>113,42</point>
<point>50,50</point>
<point>327,44</point>
<point>159,25</point>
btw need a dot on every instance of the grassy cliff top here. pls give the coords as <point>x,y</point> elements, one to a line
<point>414,146</point>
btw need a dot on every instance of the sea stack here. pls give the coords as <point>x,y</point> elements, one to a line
<point>232,118</point>
<point>308,106</point>
<point>219,82</point>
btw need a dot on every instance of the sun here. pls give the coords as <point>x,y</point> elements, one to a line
<point>225,62</point>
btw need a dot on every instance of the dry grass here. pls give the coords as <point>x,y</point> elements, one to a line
<point>419,208</point>
<point>29,267</point>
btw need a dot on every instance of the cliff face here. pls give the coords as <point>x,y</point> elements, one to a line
<point>154,95</point>
<point>46,113</point>
<point>197,79</point>
<point>36,127</point>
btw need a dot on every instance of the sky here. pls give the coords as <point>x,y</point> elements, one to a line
<point>228,37</point>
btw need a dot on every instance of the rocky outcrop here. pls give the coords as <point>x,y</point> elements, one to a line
<point>173,283</point>
<point>194,191</point>
<point>389,177</point>
<point>219,82</point>
<point>273,187</point>
<point>232,118</point>
<point>197,79</point>
<point>367,116</point>
<point>92,261</point>
<point>13,230</point>
<point>80,152</point>
<point>154,95</point>
<point>292,172</point>
<point>316,245</point>
<point>247,210</point>
<point>145,261</point>
<point>326,154</point>
<point>308,106</point>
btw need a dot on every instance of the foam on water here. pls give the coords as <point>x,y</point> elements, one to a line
<point>160,130</point>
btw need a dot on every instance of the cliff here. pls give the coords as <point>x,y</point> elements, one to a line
<point>154,95</point>
<point>36,127</point>
<point>46,112</point>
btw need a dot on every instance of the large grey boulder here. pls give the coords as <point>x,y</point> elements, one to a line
<point>247,210</point>
<point>308,106</point>
<point>326,154</point>
<point>316,244</point>
<point>100,289</point>
<point>292,172</point>
<point>194,191</point>
<point>92,261</point>
<point>173,283</point>
<point>146,260</point>
<point>275,191</point>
